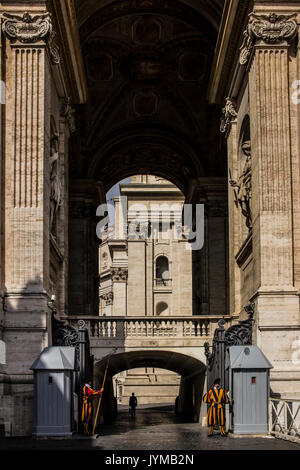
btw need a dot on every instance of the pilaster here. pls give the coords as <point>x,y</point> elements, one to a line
<point>267,51</point>
<point>30,51</point>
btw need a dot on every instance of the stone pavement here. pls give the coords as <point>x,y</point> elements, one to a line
<point>154,428</point>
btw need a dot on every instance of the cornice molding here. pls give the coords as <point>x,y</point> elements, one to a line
<point>64,17</point>
<point>234,21</point>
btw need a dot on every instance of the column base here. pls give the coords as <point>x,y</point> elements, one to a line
<point>17,410</point>
<point>277,333</point>
<point>26,334</point>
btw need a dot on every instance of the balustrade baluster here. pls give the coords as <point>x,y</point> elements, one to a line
<point>92,327</point>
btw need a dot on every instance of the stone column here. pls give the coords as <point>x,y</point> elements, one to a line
<point>136,300</point>
<point>29,51</point>
<point>267,44</point>
<point>119,279</point>
<point>83,288</point>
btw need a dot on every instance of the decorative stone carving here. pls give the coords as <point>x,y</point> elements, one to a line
<point>108,298</point>
<point>27,29</point>
<point>271,29</point>
<point>53,48</point>
<point>243,193</point>
<point>229,116</point>
<point>31,29</point>
<point>119,274</point>
<point>56,186</point>
<point>68,112</point>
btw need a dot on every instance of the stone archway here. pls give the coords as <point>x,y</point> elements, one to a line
<point>147,66</point>
<point>190,368</point>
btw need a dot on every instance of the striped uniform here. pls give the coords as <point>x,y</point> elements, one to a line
<point>87,394</point>
<point>216,398</point>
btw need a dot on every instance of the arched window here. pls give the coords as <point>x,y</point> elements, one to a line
<point>162,309</point>
<point>162,271</point>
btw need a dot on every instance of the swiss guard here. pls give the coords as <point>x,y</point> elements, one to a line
<point>216,397</point>
<point>87,395</point>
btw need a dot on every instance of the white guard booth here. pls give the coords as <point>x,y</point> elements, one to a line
<point>53,381</point>
<point>247,370</point>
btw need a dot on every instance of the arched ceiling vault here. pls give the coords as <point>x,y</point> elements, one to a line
<point>211,10</point>
<point>148,64</point>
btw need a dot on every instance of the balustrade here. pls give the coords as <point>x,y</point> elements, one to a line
<point>167,327</point>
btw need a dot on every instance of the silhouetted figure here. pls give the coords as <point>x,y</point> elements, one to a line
<point>132,405</point>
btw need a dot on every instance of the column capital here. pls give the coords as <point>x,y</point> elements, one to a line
<point>271,29</point>
<point>119,274</point>
<point>28,29</point>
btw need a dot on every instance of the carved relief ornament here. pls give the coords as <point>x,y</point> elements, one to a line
<point>30,29</point>
<point>229,116</point>
<point>271,29</point>
<point>108,298</point>
<point>119,274</point>
<point>68,112</point>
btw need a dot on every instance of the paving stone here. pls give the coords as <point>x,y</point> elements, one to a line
<point>154,428</point>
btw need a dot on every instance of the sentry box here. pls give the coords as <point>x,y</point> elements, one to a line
<point>53,379</point>
<point>247,376</point>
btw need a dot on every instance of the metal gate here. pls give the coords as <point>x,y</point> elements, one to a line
<point>66,335</point>
<point>236,335</point>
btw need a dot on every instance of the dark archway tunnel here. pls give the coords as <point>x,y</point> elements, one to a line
<point>191,370</point>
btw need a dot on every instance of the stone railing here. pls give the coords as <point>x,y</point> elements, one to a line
<point>173,327</point>
<point>160,283</point>
<point>285,419</point>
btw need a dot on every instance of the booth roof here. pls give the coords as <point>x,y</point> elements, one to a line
<point>55,358</point>
<point>247,357</point>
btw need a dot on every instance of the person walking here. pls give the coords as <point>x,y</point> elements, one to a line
<point>132,405</point>
<point>216,398</point>
<point>87,394</point>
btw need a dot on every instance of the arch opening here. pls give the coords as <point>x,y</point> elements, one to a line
<point>191,371</point>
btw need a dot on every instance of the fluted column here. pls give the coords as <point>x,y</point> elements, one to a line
<point>267,49</point>
<point>29,51</point>
<point>271,149</point>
